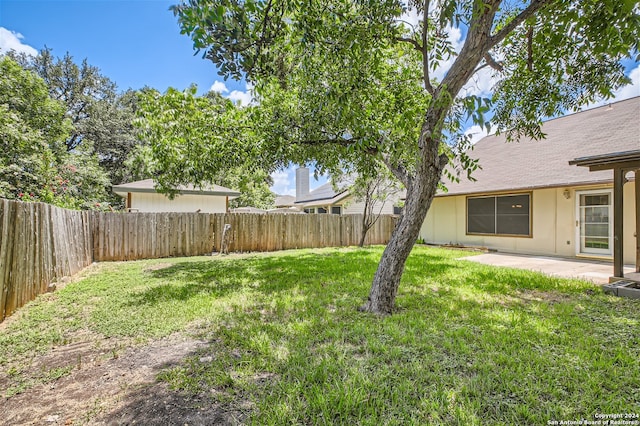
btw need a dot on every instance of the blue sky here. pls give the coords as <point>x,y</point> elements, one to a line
<point>134,43</point>
<point>137,43</point>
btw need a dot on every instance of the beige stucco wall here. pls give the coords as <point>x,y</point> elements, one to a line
<point>351,206</point>
<point>154,203</point>
<point>554,229</point>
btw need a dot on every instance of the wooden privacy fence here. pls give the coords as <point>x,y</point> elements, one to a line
<point>40,243</point>
<point>131,236</point>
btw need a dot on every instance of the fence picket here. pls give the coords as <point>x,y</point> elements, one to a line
<point>41,243</point>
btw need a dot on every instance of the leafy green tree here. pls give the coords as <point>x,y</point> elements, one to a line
<point>32,132</point>
<point>187,137</point>
<point>373,191</point>
<point>340,80</point>
<point>102,119</point>
<point>34,162</point>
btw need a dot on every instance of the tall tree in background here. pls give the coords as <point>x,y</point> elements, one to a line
<point>32,131</point>
<point>187,139</point>
<point>102,119</point>
<point>337,80</point>
<point>34,162</point>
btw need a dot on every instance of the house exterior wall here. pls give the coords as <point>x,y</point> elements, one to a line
<point>553,224</point>
<point>156,203</point>
<point>350,206</point>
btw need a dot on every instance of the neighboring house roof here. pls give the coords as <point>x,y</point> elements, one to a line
<point>148,186</point>
<point>253,210</point>
<point>285,210</point>
<point>284,200</point>
<point>530,164</point>
<point>325,194</point>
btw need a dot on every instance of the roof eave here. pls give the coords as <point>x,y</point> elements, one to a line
<point>528,188</point>
<point>119,189</point>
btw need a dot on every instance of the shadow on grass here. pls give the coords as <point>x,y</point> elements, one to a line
<point>157,404</point>
<point>220,277</point>
<point>465,347</point>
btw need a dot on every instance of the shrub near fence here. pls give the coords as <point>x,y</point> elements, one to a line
<point>41,243</point>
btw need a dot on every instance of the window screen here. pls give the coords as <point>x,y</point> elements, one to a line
<point>481,215</point>
<point>513,215</point>
<point>500,215</point>
<point>322,210</point>
<point>336,210</point>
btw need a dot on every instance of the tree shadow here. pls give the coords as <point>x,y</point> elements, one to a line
<point>156,404</point>
<point>494,339</point>
<point>220,277</point>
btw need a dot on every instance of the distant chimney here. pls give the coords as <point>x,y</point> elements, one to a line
<point>302,182</point>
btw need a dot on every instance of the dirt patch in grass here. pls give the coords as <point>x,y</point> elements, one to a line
<point>551,297</point>
<point>108,382</point>
<point>157,266</point>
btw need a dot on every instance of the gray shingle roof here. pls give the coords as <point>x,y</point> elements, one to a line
<point>327,191</point>
<point>532,164</point>
<point>323,192</point>
<point>284,200</point>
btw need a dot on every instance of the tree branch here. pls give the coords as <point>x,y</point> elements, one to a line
<point>398,170</point>
<point>492,63</point>
<point>339,141</point>
<point>411,41</point>
<point>526,13</point>
<point>425,49</point>
<point>530,48</point>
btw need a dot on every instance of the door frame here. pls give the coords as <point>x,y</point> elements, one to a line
<point>602,253</point>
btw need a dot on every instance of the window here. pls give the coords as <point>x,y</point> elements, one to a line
<point>322,210</point>
<point>499,215</point>
<point>397,210</point>
<point>309,210</point>
<point>336,210</point>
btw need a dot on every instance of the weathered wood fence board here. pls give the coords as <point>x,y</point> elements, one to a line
<point>131,236</point>
<point>40,243</point>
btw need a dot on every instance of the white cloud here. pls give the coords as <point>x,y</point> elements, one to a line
<point>632,89</point>
<point>476,133</point>
<point>11,40</point>
<point>454,36</point>
<point>629,91</point>
<point>481,83</point>
<point>244,98</point>
<point>411,17</point>
<point>219,87</point>
<point>284,182</point>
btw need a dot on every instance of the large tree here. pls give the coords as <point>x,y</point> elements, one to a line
<point>34,162</point>
<point>101,118</point>
<point>188,137</point>
<point>338,81</point>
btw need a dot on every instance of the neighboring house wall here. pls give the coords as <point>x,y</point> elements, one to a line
<point>154,203</point>
<point>553,223</point>
<point>350,206</point>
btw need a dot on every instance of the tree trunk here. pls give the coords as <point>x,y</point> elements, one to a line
<point>364,235</point>
<point>365,219</point>
<point>420,192</point>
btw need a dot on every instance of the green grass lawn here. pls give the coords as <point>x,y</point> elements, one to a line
<point>469,344</point>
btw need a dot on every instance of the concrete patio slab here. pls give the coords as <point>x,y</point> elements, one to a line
<point>590,270</point>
